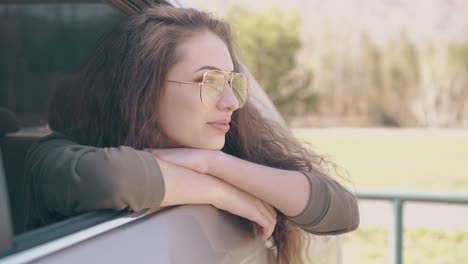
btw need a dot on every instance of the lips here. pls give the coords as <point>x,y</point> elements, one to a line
<point>221,125</point>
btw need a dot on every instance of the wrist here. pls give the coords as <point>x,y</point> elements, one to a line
<point>216,193</point>
<point>214,162</point>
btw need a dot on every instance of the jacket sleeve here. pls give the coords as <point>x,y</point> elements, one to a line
<point>68,178</point>
<point>331,208</point>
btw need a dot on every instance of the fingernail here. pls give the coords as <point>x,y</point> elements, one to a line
<point>260,234</point>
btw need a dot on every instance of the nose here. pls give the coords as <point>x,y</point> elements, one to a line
<point>227,100</point>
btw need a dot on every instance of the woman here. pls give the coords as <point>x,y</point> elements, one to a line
<point>161,116</point>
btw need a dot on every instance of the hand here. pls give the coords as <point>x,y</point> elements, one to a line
<point>227,197</point>
<point>241,203</point>
<point>194,159</point>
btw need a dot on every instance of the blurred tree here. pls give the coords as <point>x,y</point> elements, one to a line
<point>268,45</point>
<point>400,76</point>
<point>445,93</point>
<point>458,87</point>
<point>372,61</point>
<point>391,83</point>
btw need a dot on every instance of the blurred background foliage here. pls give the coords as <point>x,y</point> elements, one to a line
<point>268,43</point>
<point>395,83</point>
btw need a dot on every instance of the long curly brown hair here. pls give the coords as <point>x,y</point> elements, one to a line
<point>112,103</point>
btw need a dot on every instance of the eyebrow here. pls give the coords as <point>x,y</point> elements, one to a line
<point>207,67</point>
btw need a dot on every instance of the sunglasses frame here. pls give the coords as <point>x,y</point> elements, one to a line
<point>227,80</point>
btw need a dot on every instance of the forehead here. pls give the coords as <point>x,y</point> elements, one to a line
<point>204,49</point>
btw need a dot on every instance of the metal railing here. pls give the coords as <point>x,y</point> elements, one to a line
<point>398,198</point>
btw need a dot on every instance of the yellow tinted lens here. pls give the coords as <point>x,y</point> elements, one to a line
<point>213,85</point>
<point>239,85</point>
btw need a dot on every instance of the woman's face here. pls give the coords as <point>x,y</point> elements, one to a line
<point>185,121</point>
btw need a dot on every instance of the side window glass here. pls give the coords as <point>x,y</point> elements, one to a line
<point>41,44</point>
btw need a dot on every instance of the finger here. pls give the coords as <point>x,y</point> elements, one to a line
<point>258,231</point>
<point>271,209</point>
<point>270,219</point>
<point>251,212</point>
<point>263,222</point>
<point>268,212</point>
<point>264,211</point>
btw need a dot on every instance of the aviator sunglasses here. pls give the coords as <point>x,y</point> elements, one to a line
<point>214,82</point>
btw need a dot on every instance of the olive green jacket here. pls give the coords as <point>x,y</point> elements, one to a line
<point>65,179</point>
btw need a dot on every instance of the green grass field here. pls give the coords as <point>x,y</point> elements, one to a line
<point>420,160</point>
<point>434,160</point>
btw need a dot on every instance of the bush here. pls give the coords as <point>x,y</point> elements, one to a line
<point>268,45</point>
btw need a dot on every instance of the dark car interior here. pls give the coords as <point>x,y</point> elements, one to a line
<point>14,146</point>
<point>14,237</point>
<point>6,229</point>
<point>42,42</point>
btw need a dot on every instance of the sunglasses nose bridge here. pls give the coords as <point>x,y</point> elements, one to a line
<point>227,96</point>
<point>228,80</point>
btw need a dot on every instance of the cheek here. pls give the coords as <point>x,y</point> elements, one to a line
<point>182,115</point>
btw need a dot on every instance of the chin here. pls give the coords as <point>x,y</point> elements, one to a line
<point>214,145</point>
